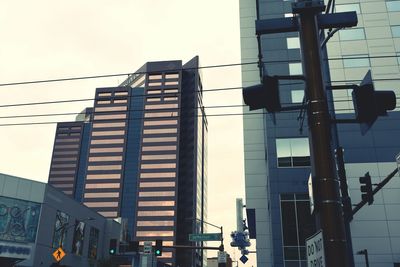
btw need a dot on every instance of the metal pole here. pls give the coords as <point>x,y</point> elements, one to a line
<point>329,208</point>
<point>366,258</point>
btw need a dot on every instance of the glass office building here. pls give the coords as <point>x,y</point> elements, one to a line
<point>277,155</point>
<point>143,156</point>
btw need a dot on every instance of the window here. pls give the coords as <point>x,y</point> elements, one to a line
<point>108,125</point>
<point>107,141</point>
<point>354,62</point>
<point>172,76</point>
<point>155,223</point>
<point>106,185</point>
<point>155,233</point>
<point>293,152</point>
<point>161,106</point>
<point>352,34</point>
<point>101,204</point>
<point>160,114</point>
<point>158,166</point>
<point>160,131</point>
<point>101,195</point>
<point>109,158</point>
<point>293,42</point>
<point>158,148</point>
<point>157,194</point>
<point>124,93</point>
<point>159,139</point>
<point>103,176</point>
<point>104,167</point>
<point>395,31</point>
<point>297,96</point>
<point>156,213</point>
<point>156,203</point>
<point>108,133</point>
<point>158,157</point>
<point>295,69</point>
<point>109,214</point>
<point>154,84</point>
<point>110,117</point>
<point>158,175</point>
<point>157,184</point>
<point>157,123</point>
<point>115,108</point>
<point>297,225</point>
<point>348,7</point>
<point>106,150</point>
<point>393,6</point>
<point>155,77</point>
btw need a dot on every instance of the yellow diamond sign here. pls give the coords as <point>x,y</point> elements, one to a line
<point>59,254</point>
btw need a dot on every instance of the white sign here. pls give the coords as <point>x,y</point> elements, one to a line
<point>221,257</point>
<point>15,250</point>
<point>148,247</point>
<point>315,250</point>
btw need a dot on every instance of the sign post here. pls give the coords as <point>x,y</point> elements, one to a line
<point>205,237</point>
<point>315,250</point>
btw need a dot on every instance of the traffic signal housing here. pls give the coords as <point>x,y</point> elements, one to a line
<point>264,95</point>
<point>369,104</point>
<point>158,248</point>
<point>113,246</point>
<point>366,188</point>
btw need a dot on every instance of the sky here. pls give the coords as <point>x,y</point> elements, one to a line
<point>47,39</point>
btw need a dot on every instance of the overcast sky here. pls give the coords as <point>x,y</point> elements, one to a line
<point>48,39</point>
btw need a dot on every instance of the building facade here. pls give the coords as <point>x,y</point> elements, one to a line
<point>277,155</point>
<point>37,219</point>
<point>141,155</point>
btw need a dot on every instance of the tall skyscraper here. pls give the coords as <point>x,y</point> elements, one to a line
<point>277,156</point>
<point>141,154</point>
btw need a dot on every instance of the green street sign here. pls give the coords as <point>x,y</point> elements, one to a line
<point>205,237</point>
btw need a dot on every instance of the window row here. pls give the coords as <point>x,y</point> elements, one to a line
<point>156,203</point>
<point>155,223</point>
<point>158,166</point>
<point>158,175</point>
<point>118,93</point>
<point>102,185</point>
<point>156,213</point>
<point>112,101</point>
<point>156,184</point>
<point>157,194</point>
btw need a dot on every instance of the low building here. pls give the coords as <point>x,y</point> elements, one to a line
<point>37,219</point>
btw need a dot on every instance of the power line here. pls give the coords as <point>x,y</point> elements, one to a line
<point>180,69</point>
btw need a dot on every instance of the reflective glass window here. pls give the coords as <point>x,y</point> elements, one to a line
<point>103,102</point>
<point>293,42</point>
<point>154,233</point>
<point>395,31</point>
<point>393,6</point>
<point>152,92</point>
<point>157,194</point>
<point>110,117</point>
<point>73,152</point>
<point>153,99</point>
<point>104,167</point>
<point>171,91</point>
<point>104,94</point>
<point>120,93</point>
<point>158,157</point>
<point>297,96</point>
<point>172,76</point>
<point>62,179</point>
<point>155,213</point>
<point>155,223</point>
<point>101,204</point>
<point>154,84</point>
<point>157,175</point>
<point>69,140</point>
<point>58,166</point>
<point>354,62</point>
<point>109,124</point>
<point>295,69</point>
<point>105,185</point>
<point>109,158</point>
<point>64,159</point>
<point>348,7</point>
<point>138,81</point>
<point>158,123</point>
<point>160,114</point>
<point>158,148</point>
<point>159,166</point>
<point>155,77</point>
<point>106,150</point>
<point>108,133</point>
<point>159,139</point>
<point>105,109</point>
<point>157,184</point>
<point>156,203</point>
<point>63,172</point>
<point>170,98</point>
<point>352,34</point>
<point>107,141</point>
<point>103,176</point>
<point>293,152</point>
<point>171,83</point>
<point>101,195</point>
<point>160,131</point>
<point>120,101</point>
<point>161,106</point>
<point>65,146</point>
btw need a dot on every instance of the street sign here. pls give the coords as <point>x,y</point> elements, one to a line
<point>311,193</point>
<point>244,259</point>
<point>148,247</point>
<point>59,254</point>
<point>315,250</point>
<point>205,237</point>
<point>221,257</point>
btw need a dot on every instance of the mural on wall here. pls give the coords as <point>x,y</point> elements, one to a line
<point>60,229</point>
<point>18,220</point>
<point>93,243</point>
<point>79,234</point>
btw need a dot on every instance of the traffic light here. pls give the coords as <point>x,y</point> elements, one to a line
<point>369,104</point>
<point>158,248</point>
<point>366,188</point>
<point>264,95</point>
<point>113,246</point>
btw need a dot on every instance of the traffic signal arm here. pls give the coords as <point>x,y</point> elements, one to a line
<point>374,191</point>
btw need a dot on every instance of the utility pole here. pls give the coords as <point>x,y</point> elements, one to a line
<point>329,206</point>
